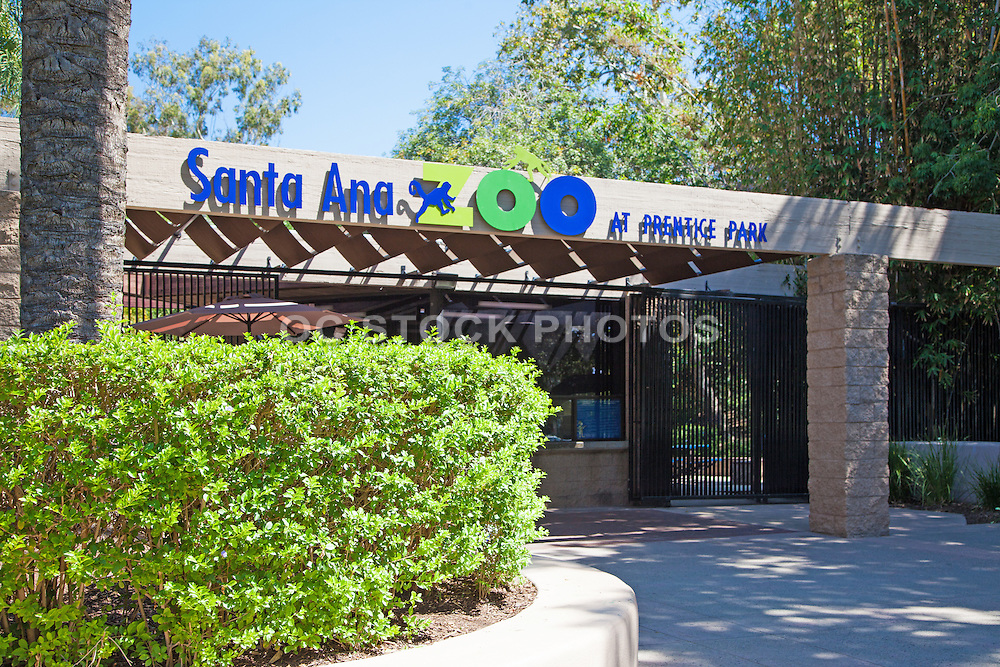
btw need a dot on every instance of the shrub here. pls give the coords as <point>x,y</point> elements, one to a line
<point>901,481</point>
<point>987,486</point>
<point>934,474</point>
<point>218,498</point>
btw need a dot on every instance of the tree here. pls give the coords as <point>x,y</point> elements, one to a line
<point>192,94</point>
<point>10,56</point>
<point>876,100</point>
<point>624,47</point>
<point>73,91</point>
<point>592,86</point>
<point>894,101</point>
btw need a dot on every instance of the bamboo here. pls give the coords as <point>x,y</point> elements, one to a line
<point>892,83</point>
<point>993,28</point>
<point>902,81</point>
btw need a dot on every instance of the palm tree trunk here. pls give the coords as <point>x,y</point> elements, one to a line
<point>75,60</point>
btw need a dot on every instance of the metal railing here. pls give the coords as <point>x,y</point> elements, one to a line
<point>922,407</point>
<point>150,292</point>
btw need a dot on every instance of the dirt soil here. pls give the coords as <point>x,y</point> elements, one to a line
<point>452,610</point>
<point>973,513</point>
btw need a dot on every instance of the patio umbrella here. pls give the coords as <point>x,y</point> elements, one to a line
<point>250,313</point>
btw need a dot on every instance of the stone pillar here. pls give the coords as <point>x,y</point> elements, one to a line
<point>10,264</point>
<point>848,401</point>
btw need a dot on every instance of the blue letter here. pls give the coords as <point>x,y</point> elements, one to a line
<point>365,197</point>
<point>230,196</point>
<point>272,179</point>
<point>616,224</point>
<point>381,187</point>
<point>286,195</point>
<point>329,198</point>
<point>192,163</point>
<point>244,175</point>
<point>742,234</point>
<point>550,204</point>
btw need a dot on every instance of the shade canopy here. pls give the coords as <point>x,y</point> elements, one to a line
<point>238,315</point>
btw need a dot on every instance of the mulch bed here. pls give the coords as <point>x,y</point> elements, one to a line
<point>452,610</point>
<point>973,513</point>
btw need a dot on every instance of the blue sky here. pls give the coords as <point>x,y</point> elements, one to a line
<point>362,67</point>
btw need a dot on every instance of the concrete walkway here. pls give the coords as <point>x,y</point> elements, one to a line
<point>749,585</point>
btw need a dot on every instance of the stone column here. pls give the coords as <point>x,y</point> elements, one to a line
<point>10,264</point>
<point>848,402</point>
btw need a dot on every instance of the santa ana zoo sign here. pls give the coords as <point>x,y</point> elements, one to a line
<point>229,185</point>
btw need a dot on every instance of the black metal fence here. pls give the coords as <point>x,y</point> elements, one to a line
<point>716,407</point>
<point>150,291</point>
<point>716,401</point>
<point>922,407</point>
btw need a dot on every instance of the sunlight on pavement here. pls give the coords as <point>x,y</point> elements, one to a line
<point>813,614</point>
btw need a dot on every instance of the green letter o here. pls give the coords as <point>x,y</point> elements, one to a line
<point>491,186</point>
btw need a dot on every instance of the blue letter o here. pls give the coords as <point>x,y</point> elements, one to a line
<point>550,204</point>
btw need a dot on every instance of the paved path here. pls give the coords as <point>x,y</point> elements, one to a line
<point>749,585</point>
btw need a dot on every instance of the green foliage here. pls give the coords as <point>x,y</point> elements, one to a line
<point>890,101</point>
<point>926,477</point>
<point>189,94</point>
<point>951,296</point>
<point>934,473</point>
<point>591,86</point>
<point>901,473</point>
<point>10,56</point>
<point>187,501</point>
<point>987,486</point>
<point>623,46</point>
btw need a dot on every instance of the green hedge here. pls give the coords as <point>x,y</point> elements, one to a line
<point>184,502</point>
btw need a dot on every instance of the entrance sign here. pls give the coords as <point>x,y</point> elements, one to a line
<point>225,188</point>
<point>374,193</point>
<point>261,183</point>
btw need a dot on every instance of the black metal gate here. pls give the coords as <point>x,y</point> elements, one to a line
<point>716,405</point>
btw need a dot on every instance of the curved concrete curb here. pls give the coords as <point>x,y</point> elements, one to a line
<point>581,617</point>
